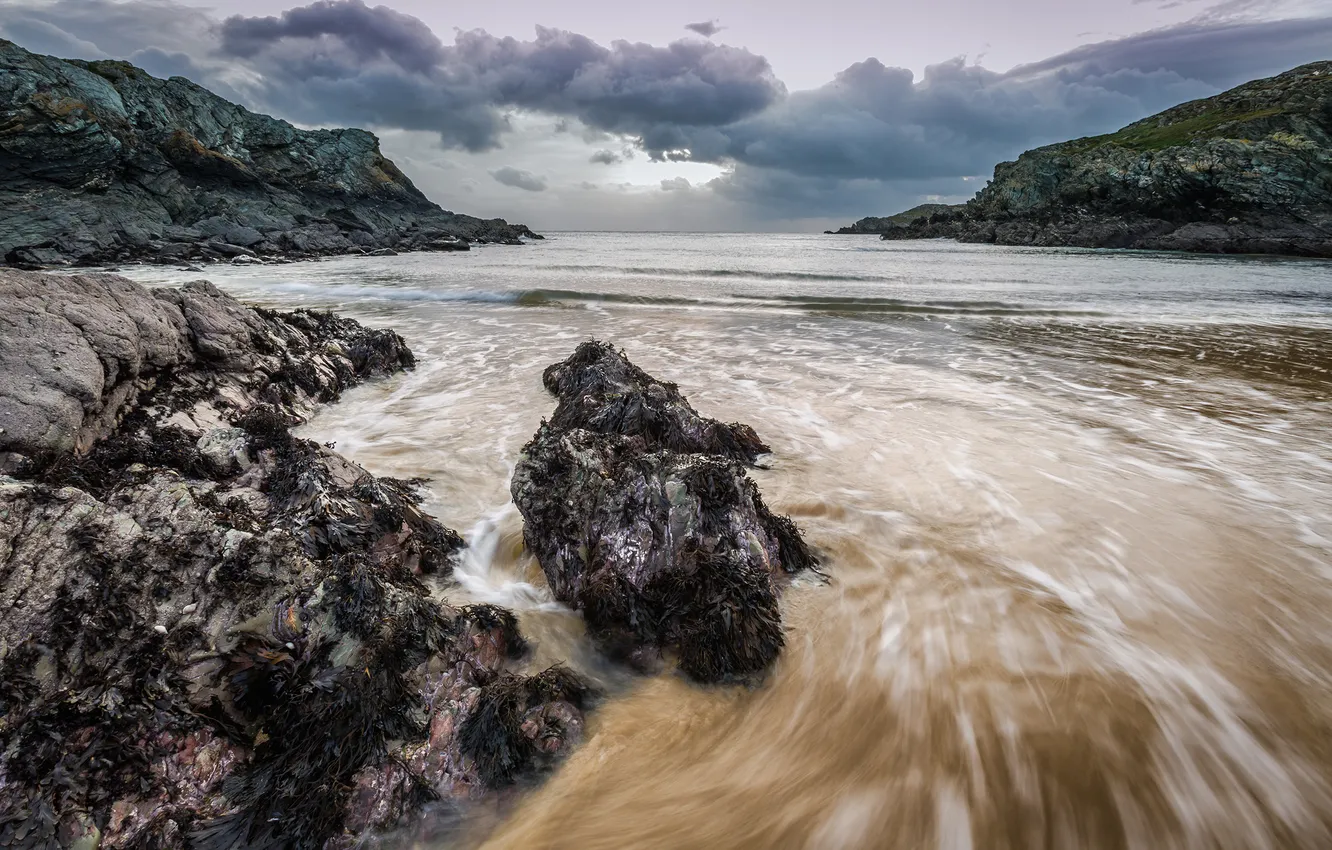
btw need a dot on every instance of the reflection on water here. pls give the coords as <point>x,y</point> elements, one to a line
<point>1076,508</point>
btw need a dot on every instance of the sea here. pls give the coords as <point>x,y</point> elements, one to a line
<point>1074,509</point>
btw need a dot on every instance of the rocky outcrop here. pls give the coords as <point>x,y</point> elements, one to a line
<point>216,634</point>
<point>101,162</point>
<point>888,224</point>
<point>641,515</point>
<point>1247,171</point>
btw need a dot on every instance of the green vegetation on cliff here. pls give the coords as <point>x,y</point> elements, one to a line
<point>1246,171</point>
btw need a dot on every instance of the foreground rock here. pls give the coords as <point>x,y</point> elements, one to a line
<point>642,517</point>
<point>217,635</point>
<point>101,162</point>
<point>1247,171</point>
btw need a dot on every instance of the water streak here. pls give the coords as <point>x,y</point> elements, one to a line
<point>1076,508</point>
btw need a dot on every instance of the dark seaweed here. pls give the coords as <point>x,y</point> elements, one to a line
<point>493,736</point>
<point>600,390</point>
<point>650,567</point>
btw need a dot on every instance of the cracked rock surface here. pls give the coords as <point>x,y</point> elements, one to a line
<point>216,634</point>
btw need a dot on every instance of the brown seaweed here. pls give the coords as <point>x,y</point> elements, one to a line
<point>642,516</point>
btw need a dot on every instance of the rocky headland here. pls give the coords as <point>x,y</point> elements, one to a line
<point>102,163</point>
<point>1246,171</point>
<point>217,634</point>
<point>888,223</point>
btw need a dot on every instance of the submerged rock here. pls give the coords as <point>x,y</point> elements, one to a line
<point>642,516</point>
<point>218,635</point>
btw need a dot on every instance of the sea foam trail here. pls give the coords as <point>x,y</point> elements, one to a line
<point>1078,564</point>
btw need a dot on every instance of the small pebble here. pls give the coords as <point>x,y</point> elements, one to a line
<point>161,630</point>
<point>190,609</point>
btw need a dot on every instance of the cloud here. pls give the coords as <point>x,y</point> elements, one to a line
<point>707,29</point>
<point>1220,54</point>
<point>369,33</point>
<point>81,28</point>
<point>339,59</point>
<point>519,179</point>
<point>877,122</point>
<point>873,131</point>
<point>675,184</point>
<point>44,37</point>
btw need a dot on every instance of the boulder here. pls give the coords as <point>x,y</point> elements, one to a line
<point>217,634</point>
<point>642,516</point>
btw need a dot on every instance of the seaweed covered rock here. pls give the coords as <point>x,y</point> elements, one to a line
<point>217,634</point>
<point>642,516</point>
<point>601,391</point>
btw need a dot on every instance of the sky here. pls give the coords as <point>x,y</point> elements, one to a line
<point>700,114</point>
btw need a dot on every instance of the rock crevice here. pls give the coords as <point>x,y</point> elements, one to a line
<point>217,634</point>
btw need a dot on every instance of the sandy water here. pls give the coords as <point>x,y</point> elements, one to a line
<point>1075,508</point>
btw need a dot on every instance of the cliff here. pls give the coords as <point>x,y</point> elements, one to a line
<point>101,162</point>
<point>1246,171</point>
<point>888,223</point>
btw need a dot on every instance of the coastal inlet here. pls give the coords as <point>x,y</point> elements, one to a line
<point>1074,508</point>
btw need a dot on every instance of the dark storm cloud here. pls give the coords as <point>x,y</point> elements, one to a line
<point>345,62</point>
<point>519,179</point>
<point>370,33</point>
<point>1221,54</point>
<point>871,129</point>
<point>873,121</point>
<point>707,29</point>
<point>876,122</point>
<point>342,58</point>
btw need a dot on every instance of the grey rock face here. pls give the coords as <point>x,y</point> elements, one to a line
<point>1247,171</point>
<point>76,353</point>
<point>218,634</point>
<point>641,515</point>
<point>101,162</point>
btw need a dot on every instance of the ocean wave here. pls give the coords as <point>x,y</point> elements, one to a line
<point>850,306</point>
<point>727,274</point>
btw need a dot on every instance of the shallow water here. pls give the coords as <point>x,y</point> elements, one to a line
<point>1075,506</point>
